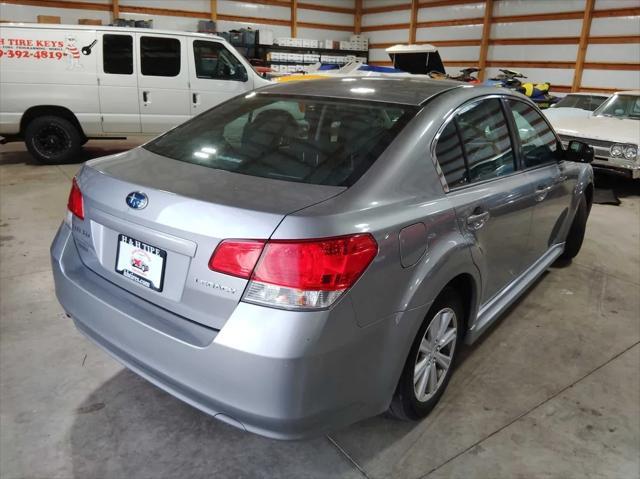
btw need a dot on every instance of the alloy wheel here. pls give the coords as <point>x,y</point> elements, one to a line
<point>435,354</point>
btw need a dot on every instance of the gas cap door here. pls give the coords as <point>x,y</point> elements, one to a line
<point>413,244</point>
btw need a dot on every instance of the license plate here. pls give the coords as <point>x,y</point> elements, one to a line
<point>141,262</point>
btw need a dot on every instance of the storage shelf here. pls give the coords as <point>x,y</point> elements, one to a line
<point>336,51</point>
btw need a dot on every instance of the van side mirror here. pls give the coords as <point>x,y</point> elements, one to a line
<point>579,152</point>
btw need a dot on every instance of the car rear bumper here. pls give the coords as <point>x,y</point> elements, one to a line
<point>281,374</point>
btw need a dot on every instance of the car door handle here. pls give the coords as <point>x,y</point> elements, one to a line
<point>477,220</point>
<point>542,191</point>
<point>145,97</point>
<point>195,98</point>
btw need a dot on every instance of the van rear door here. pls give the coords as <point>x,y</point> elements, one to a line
<point>215,74</point>
<point>163,80</point>
<point>118,80</point>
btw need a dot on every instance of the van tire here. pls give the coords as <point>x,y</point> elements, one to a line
<point>405,405</point>
<point>52,139</point>
<point>576,233</point>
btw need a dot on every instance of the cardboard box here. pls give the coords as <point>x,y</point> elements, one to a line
<point>265,37</point>
<point>89,21</point>
<point>48,19</point>
<point>206,26</point>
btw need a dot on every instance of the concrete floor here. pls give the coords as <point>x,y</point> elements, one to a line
<point>553,391</point>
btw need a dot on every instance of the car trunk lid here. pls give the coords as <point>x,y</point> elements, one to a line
<point>189,210</point>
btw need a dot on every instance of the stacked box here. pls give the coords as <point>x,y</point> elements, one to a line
<point>206,26</point>
<point>89,21</point>
<point>144,23</point>
<point>48,19</point>
<point>265,37</point>
<point>248,36</point>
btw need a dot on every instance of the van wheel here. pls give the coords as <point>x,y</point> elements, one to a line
<point>576,233</point>
<point>53,139</point>
<point>430,363</point>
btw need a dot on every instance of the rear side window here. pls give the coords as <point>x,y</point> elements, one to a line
<point>538,143</point>
<point>160,56</point>
<point>451,157</point>
<point>214,61</point>
<point>302,139</point>
<point>486,141</point>
<point>117,54</point>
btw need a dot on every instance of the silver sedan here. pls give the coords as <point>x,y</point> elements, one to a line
<point>315,253</point>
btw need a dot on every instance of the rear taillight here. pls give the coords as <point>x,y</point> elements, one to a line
<point>75,204</point>
<point>296,274</point>
<point>236,257</point>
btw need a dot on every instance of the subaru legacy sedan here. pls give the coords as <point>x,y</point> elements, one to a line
<point>315,253</point>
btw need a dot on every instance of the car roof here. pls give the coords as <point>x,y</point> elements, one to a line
<point>629,92</point>
<point>406,90</point>
<point>149,31</point>
<point>577,93</point>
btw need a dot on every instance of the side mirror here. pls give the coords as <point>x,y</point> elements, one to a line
<point>580,152</point>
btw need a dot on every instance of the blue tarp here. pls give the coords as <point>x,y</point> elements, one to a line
<point>374,68</point>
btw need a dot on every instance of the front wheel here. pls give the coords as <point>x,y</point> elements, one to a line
<point>430,363</point>
<point>53,139</point>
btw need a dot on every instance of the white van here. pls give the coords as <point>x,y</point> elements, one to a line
<point>63,84</point>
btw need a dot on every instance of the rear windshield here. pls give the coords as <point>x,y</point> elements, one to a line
<point>307,140</point>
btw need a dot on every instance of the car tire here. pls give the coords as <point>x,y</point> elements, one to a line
<point>410,401</point>
<point>575,236</point>
<point>53,140</point>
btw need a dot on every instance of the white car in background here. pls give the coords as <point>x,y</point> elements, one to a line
<point>575,104</point>
<point>613,130</point>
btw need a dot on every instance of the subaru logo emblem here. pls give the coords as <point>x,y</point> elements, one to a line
<point>137,200</point>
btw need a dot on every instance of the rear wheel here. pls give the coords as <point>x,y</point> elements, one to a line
<point>576,233</point>
<point>430,363</point>
<point>53,139</point>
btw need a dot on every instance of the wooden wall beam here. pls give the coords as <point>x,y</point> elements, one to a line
<point>357,18</point>
<point>528,64</point>
<point>115,9</point>
<point>213,9</point>
<point>582,46</point>
<point>615,39</point>
<point>611,66</point>
<point>486,35</point>
<point>616,12</point>
<point>325,8</point>
<point>274,3</point>
<point>390,26</point>
<point>387,8</point>
<point>104,7</point>
<point>413,21</point>
<point>325,26</point>
<point>294,18</point>
<point>444,3</point>
<point>535,41</point>
<point>450,23</point>
<point>435,43</point>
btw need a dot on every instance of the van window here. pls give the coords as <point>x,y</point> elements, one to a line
<point>160,56</point>
<point>214,61</point>
<point>117,54</point>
